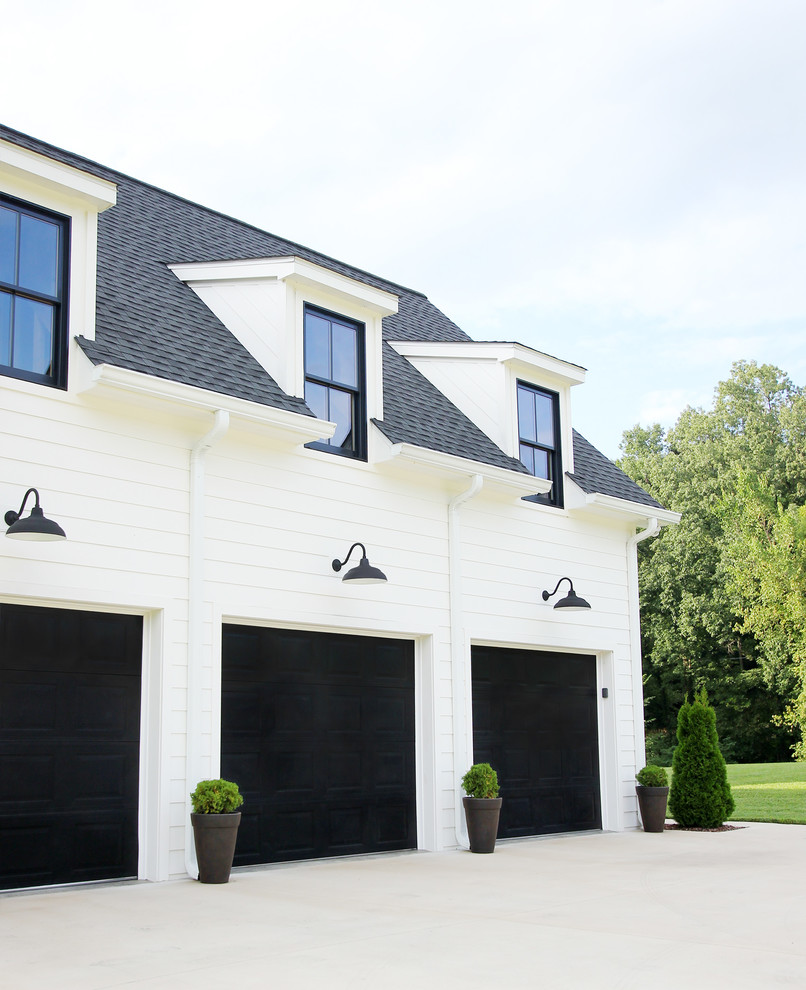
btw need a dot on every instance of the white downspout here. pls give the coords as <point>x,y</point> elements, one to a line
<point>462,742</point>
<point>652,529</point>
<point>196,559</point>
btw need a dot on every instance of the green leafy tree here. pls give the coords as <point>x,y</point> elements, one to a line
<point>695,624</point>
<point>765,565</point>
<point>700,793</point>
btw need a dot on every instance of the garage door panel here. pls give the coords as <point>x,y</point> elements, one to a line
<point>69,745</point>
<point>336,753</point>
<point>534,720</point>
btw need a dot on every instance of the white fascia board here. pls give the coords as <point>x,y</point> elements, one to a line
<point>609,505</point>
<point>295,271</point>
<point>98,194</point>
<point>525,360</point>
<point>298,428</point>
<point>451,465</point>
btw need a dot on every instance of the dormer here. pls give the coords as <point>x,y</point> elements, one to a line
<point>48,261</point>
<point>315,331</point>
<point>519,397</point>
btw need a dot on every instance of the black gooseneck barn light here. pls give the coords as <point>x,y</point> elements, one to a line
<point>572,602</point>
<point>363,572</point>
<point>36,526</point>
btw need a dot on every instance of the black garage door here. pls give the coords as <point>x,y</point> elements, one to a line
<point>534,720</point>
<point>69,745</point>
<point>318,732</point>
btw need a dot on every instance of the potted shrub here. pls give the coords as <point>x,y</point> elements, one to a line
<point>652,790</point>
<point>215,827</point>
<point>482,807</point>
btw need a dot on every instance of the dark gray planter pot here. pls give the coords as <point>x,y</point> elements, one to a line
<point>482,816</point>
<point>215,837</point>
<point>652,805</point>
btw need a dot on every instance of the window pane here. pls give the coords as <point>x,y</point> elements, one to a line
<point>541,463</point>
<point>545,420</point>
<point>341,413</point>
<point>39,255</point>
<point>526,414</point>
<point>528,458</point>
<point>8,245</point>
<point>317,346</point>
<point>344,356</point>
<point>5,328</point>
<point>33,336</point>
<point>316,397</point>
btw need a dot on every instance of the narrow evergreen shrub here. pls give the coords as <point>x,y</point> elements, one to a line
<point>700,793</point>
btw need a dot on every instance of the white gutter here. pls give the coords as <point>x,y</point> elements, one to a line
<point>196,556</point>
<point>652,529</point>
<point>462,712</point>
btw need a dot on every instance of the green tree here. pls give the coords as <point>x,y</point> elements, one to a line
<point>695,628</point>
<point>765,565</point>
<point>700,793</point>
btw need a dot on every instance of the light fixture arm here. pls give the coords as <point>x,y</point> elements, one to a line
<point>547,595</point>
<point>338,564</point>
<point>11,516</point>
<point>572,602</point>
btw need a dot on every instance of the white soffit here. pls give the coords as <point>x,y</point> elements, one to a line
<point>107,380</point>
<point>450,466</point>
<point>612,507</point>
<point>525,361</point>
<point>296,272</point>
<point>64,180</point>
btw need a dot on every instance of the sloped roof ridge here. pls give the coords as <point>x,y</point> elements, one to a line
<point>104,172</point>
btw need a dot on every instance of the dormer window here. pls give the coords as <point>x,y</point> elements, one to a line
<point>33,293</point>
<point>335,388</point>
<point>539,438</point>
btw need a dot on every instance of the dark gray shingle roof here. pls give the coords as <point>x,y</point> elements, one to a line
<point>595,473</point>
<point>147,320</point>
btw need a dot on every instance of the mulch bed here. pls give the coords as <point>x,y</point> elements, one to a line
<point>722,828</point>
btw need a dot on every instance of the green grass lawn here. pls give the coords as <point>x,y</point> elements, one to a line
<point>768,792</point>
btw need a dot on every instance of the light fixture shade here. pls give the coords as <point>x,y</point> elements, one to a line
<point>572,602</point>
<point>36,527</point>
<point>363,572</point>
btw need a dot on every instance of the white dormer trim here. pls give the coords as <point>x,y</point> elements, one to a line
<point>261,301</point>
<point>64,181</point>
<point>480,377</point>
<point>529,362</point>
<point>36,179</point>
<point>295,271</point>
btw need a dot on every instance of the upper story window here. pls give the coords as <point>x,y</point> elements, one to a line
<point>539,438</point>
<point>33,293</point>
<point>335,387</point>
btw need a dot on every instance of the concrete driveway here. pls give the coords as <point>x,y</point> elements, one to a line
<point>632,910</point>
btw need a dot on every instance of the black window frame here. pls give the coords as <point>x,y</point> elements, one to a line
<point>554,497</point>
<point>359,393</point>
<point>57,378</point>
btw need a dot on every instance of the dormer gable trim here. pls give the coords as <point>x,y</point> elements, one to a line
<point>524,361</point>
<point>62,180</point>
<point>296,272</point>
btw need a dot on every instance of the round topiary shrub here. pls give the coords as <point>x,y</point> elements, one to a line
<point>480,781</point>
<point>700,793</point>
<point>652,776</point>
<point>216,797</point>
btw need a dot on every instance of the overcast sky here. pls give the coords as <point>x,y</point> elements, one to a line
<point>620,184</point>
